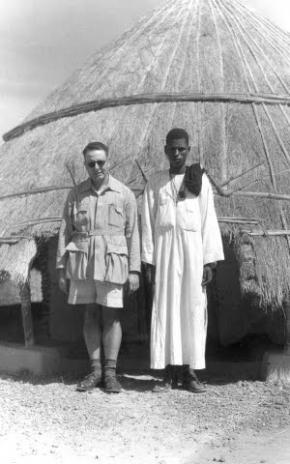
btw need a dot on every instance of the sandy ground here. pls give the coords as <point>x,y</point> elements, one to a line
<point>47,421</point>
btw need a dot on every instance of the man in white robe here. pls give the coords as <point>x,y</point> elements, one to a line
<point>181,243</point>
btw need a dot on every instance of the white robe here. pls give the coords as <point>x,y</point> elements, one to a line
<point>179,238</point>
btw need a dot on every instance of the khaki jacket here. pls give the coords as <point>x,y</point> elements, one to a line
<point>98,237</point>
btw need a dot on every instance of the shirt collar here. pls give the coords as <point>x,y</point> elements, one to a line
<point>110,184</point>
<point>113,184</point>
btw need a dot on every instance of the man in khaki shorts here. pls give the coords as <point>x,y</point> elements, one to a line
<point>98,252</point>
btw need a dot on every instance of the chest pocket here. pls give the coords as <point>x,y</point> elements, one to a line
<point>115,215</point>
<point>166,213</point>
<point>188,214</point>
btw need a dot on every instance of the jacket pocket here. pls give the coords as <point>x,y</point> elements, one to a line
<point>77,258</point>
<point>116,216</point>
<point>117,268</point>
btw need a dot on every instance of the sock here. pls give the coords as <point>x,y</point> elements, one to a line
<point>96,367</point>
<point>110,367</point>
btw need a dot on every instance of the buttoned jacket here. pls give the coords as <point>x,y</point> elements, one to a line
<point>99,236</point>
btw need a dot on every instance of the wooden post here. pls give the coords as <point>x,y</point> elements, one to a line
<point>25,297</point>
<point>287,310</point>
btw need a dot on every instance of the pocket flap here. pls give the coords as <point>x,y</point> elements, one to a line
<point>118,209</point>
<point>77,246</point>
<point>116,216</point>
<point>117,249</point>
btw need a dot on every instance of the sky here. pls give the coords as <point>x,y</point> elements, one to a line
<point>43,41</point>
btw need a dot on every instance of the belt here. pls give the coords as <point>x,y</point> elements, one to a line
<point>98,232</point>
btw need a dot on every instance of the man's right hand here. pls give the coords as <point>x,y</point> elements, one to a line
<point>62,282</point>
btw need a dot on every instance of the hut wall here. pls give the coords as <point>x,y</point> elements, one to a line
<point>227,319</point>
<point>9,294</point>
<point>233,316</point>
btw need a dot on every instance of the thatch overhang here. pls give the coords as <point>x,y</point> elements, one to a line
<point>210,66</point>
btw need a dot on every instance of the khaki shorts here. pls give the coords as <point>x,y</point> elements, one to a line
<point>94,291</point>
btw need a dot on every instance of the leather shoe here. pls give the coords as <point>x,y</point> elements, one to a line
<point>191,383</point>
<point>90,382</point>
<point>170,380</point>
<point>193,386</point>
<point>162,387</point>
<point>112,385</point>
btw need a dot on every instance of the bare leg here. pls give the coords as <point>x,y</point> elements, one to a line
<point>112,332</point>
<point>112,336</point>
<point>92,335</point>
<point>92,331</point>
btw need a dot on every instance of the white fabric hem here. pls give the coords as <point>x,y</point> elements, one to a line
<point>212,259</point>
<point>200,365</point>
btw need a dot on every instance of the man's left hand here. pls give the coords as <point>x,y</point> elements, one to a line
<point>134,282</point>
<point>207,274</point>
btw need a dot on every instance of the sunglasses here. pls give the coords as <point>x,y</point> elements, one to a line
<point>92,164</point>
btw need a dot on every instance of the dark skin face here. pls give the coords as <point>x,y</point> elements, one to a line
<point>177,151</point>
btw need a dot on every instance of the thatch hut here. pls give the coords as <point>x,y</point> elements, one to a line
<point>210,66</point>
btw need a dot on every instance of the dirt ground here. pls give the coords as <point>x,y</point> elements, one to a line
<point>236,422</point>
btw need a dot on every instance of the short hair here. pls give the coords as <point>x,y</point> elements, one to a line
<point>175,134</point>
<point>96,146</point>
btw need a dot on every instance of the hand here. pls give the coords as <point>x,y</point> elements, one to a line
<point>207,275</point>
<point>134,282</point>
<point>62,282</point>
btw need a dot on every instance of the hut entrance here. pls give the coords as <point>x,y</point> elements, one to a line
<point>12,307</point>
<point>11,325</point>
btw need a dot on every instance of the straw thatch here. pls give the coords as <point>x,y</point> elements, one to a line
<point>210,66</point>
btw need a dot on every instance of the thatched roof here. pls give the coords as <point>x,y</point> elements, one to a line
<point>210,66</point>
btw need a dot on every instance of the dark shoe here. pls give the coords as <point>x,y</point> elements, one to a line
<point>90,382</point>
<point>194,386</point>
<point>112,385</point>
<point>162,387</point>
<point>191,382</point>
<point>170,380</point>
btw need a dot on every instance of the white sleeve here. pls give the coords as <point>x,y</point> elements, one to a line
<point>148,226</point>
<point>211,235</point>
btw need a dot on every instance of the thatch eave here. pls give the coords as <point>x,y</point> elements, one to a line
<point>16,261</point>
